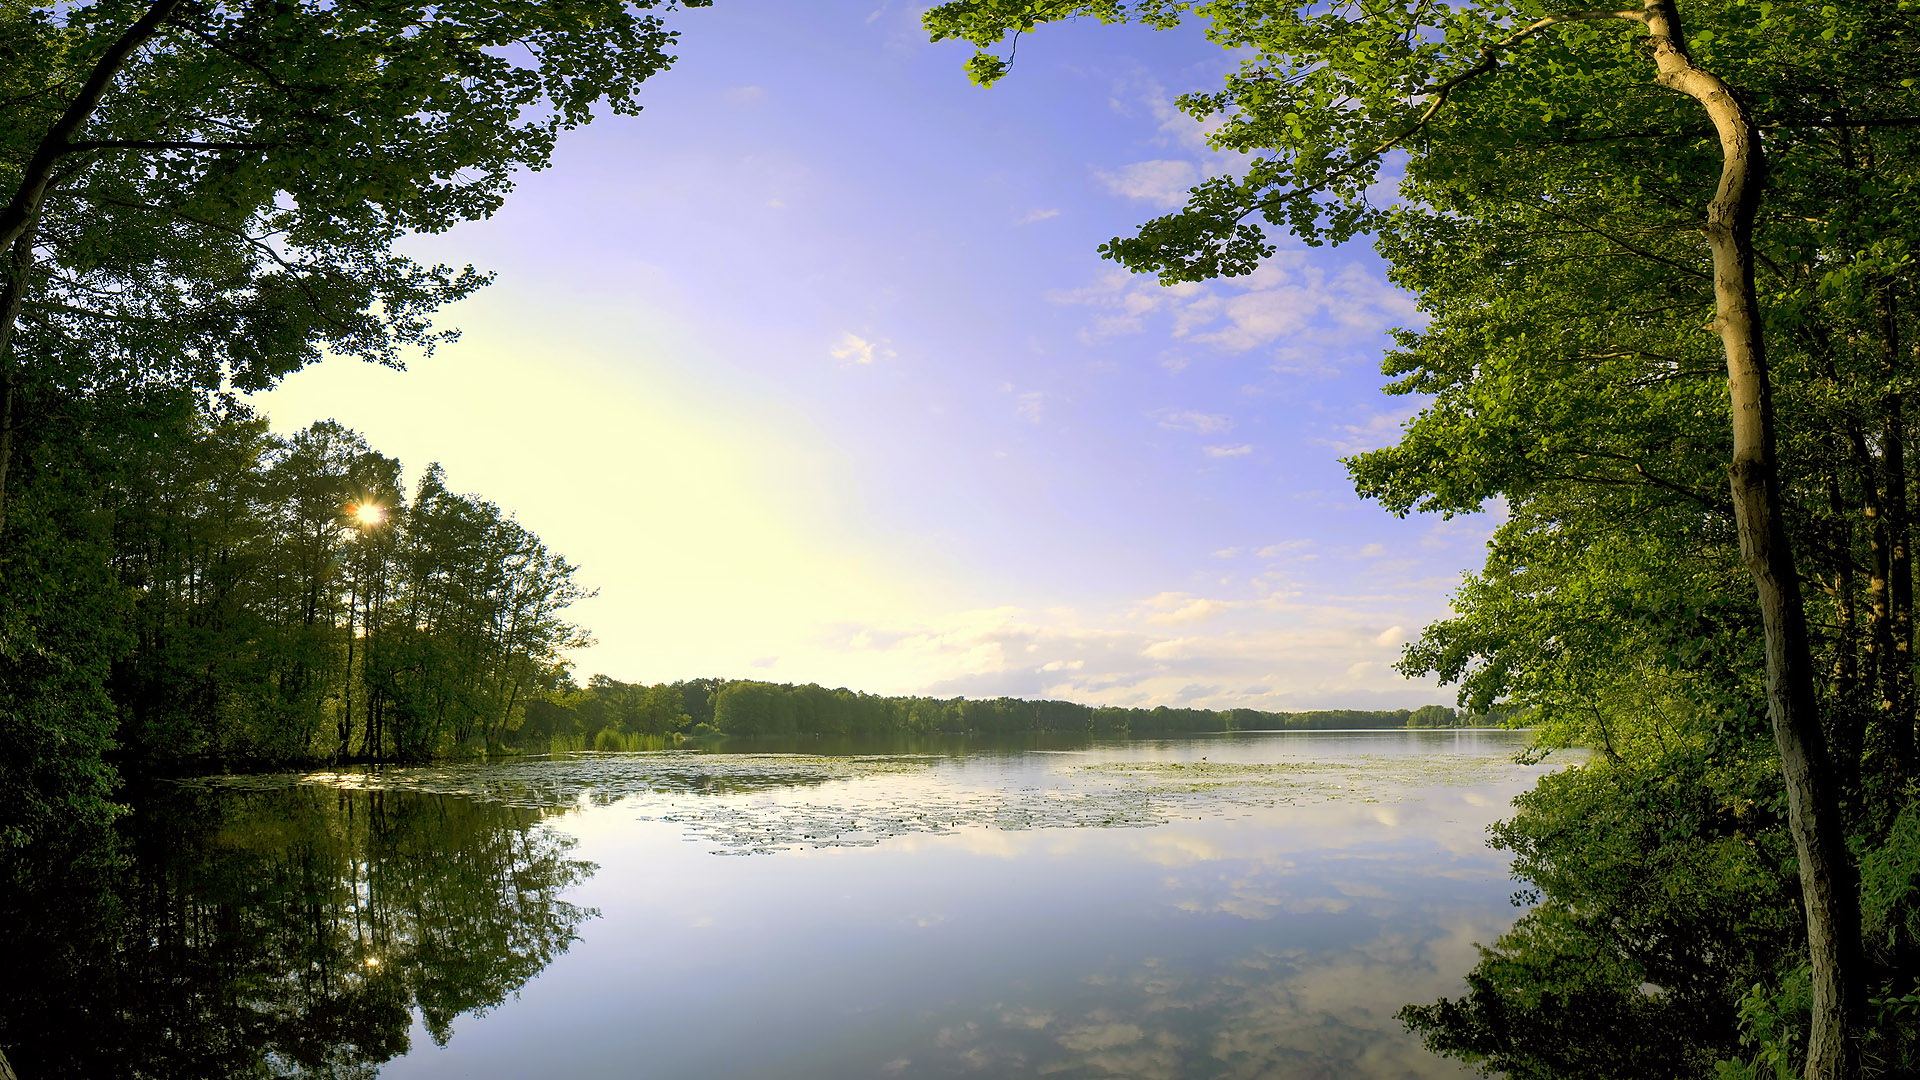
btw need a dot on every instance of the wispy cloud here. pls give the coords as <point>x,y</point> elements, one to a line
<point>1030,406</point>
<point>1163,183</point>
<point>1313,321</point>
<point>1173,608</point>
<point>1032,216</point>
<point>1371,433</point>
<point>1197,422</point>
<point>1142,93</point>
<point>1209,651</point>
<point>1239,450</point>
<point>854,349</point>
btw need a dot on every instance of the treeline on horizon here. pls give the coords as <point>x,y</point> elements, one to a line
<point>601,713</point>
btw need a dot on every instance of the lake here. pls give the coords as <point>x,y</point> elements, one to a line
<point>1240,905</point>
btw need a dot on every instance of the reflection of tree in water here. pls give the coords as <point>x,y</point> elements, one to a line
<point>283,933</point>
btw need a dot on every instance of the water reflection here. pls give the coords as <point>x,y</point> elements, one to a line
<point>1225,907</point>
<point>288,933</point>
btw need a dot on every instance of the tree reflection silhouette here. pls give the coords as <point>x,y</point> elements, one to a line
<point>276,933</point>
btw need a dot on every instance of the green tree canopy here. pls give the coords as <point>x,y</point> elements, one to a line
<point>209,194</point>
<point>1585,198</point>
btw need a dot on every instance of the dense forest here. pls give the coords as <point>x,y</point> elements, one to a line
<point>603,713</point>
<point>197,199</point>
<point>1665,257</point>
<point>288,603</point>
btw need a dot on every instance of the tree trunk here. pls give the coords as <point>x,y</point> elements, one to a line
<point>20,214</point>
<point>1899,701</point>
<point>345,728</point>
<point>13,293</point>
<point>1844,721</point>
<point>1828,894</point>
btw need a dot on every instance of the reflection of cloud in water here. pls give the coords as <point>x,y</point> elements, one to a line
<point>1283,1012</point>
<point>1092,1037</point>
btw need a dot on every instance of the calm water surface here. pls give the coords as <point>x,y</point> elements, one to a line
<point>1248,905</point>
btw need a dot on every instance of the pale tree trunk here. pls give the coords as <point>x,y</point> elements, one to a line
<point>1826,879</point>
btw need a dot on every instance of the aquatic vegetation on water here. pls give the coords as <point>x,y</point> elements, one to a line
<point>746,804</point>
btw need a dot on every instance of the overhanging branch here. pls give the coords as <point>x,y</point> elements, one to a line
<point>25,202</point>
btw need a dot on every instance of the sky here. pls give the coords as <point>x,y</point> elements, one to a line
<point>813,370</point>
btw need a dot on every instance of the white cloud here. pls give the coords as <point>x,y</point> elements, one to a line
<point>1262,649</point>
<point>1312,320</point>
<point>1163,183</point>
<point>854,349</point>
<point>1240,450</point>
<point>745,95</point>
<point>1176,129</point>
<point>1372,433</point>
<point>1197,422</point>
<point>1030,405</point>
<point>1283,548</point>
<point>1392,635</point>
<point>1032,216</point>
<point>1226,553</point>
<point>1196,610</point>
<point>1170,649</point>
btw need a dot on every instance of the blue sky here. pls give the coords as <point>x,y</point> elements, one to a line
<point>813,370</point>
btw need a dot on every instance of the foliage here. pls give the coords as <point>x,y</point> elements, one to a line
<point>753,709</point>
<point>198,197</point>
<point>246,617</point>
<point>228,210</point>
<point>1550,205</point>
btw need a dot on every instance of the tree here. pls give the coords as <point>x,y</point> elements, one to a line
<point>1471,98</point>
<point>199,197</point>
<point>200,192</point>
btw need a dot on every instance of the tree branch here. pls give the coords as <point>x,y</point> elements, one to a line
<point>1489,59</point>
<point>33,181</point>
<point>1587,226</point>
<point>1439,92</point>
<point>154,144</point>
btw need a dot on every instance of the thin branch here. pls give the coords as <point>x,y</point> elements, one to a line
<point>1441,91</point>
<point>298,273</point>
<point>1656,481</point>
<point>153,144</point>
<point>69,309</point>
<point>26,198</point>
<point>1490,58</point>
<point>1888,121</point>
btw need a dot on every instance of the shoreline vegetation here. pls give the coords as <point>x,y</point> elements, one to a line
<point>610,715</point>
<point>283,601</point>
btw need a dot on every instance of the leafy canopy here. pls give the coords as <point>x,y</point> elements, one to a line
<point>229,210</point>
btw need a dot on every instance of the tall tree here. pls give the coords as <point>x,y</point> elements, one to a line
<point>200,196</point>
<point>203,193</point>
<point>1325,95</point>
